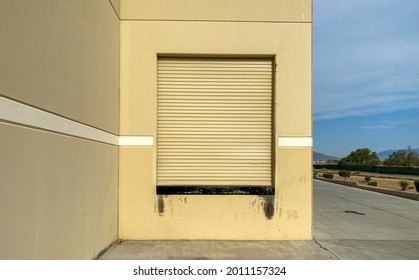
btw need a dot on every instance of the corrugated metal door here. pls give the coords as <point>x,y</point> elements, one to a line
<point>214,122</point>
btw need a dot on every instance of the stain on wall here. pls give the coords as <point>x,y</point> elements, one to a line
<point>261,202</point>
<point>160,205</point>
<point>292,215</point>
<point>268,202</point>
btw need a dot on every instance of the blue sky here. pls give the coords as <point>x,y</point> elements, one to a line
<point>365,75</point>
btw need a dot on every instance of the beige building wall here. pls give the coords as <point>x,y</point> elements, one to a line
<point>217,10</point>
<point>62,56</point>
<point>59,92</point>
<point>278,29</point>
<point>116,4</point>
<point>73,78</point>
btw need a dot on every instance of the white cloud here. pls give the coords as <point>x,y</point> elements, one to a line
<point>347,106</point>
<point>366,57</point>
<point>375,127</point>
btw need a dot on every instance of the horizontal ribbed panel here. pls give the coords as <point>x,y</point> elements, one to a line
<point>214,122</point>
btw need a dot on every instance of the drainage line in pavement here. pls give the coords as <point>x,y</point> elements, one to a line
<point>324,248</point>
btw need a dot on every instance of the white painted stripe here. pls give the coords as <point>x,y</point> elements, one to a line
<point>136,141</point>
<point>16,112</point>
<point>22,114</point>
<point>19,113</point>
<point>295,142</point>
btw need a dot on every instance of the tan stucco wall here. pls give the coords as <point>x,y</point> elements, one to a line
<point>142,42</point>
<point>215,217</point>
<point>218,10</point>
<point>58,194</point>
<point>117,6</point>
<point>62,56</point>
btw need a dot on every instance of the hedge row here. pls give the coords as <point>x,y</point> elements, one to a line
<point>369,168</point>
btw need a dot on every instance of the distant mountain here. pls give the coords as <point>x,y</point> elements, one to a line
<point>322,157</point>
<point>384,154</point>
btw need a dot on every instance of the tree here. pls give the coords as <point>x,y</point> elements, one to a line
<point>412,159</point>
<point>362,156</point>
<point>345,174</point>
<point>402,158</point>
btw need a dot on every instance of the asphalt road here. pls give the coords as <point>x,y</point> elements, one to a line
<point>357,224</point>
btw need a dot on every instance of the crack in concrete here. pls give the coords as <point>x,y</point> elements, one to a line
<point>324,248</point>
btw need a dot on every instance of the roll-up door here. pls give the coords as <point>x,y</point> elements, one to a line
<point>214,122</point>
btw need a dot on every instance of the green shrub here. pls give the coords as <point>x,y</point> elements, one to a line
<point>374,184</point>
<point>403,184</point>
<point>315,175</point>
<point>328,175</point>
<point>367,178</point>
<point>416,182</point>
<point>345,174</point>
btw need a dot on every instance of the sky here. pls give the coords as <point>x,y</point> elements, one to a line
<point>365,75</point>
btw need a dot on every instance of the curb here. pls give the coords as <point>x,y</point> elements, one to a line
<point>412,196</point>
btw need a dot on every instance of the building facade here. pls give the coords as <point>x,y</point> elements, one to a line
<point>139,119</point>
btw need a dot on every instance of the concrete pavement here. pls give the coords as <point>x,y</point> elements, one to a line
<point>359,224</point>
<point>217,250</point>
<point>348,224</point>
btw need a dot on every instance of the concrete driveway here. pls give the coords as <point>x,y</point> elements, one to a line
<point>358,224</point>
<point>348,224</point>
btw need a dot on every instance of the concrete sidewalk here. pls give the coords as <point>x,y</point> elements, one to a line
<point>348,224</point>
<point>217,250</point>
